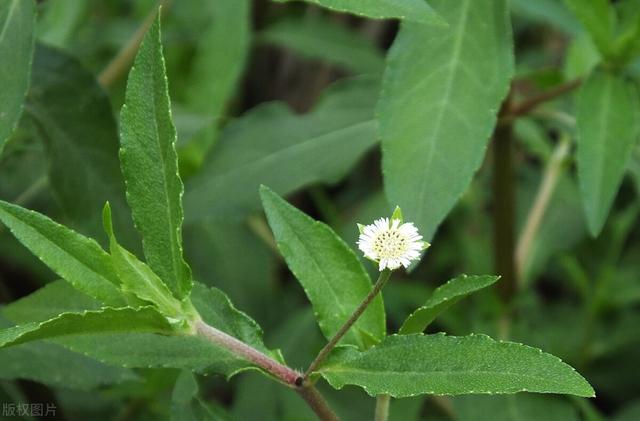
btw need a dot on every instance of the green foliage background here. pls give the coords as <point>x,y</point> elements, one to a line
<point>347,115</point>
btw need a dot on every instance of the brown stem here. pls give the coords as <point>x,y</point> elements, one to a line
<point>504,207</point>
<point>382,280</point>
<point>529,104</point>
<point>317,402</point>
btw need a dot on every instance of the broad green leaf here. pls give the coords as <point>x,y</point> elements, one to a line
<point>444,297</point>
<point>107,320</point>
<point>321,38</point>
<point>271,145</point>
<point>410,10</point>
<point>48,302</point>
<point>407,365</point>
<point>76,258</point>
<point>546,12</point>
<point>519,407</point>
<point>17,18</point>
<point>49,364</point>
<point>60,20</point>
<point>597,17</point>
<point>150,165</point>
<point>138,278</point>
<point>141,350</point>
<point>220,57</point>
<point>330,273</point>
<point>608,125</point>
<point>75,121</point>
<point>441,92</point>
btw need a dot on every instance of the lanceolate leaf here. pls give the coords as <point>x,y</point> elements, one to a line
<point>77,124</point>
<point>150,165</point>
<point>76,258</point>
<point>441,92</point>
<point>330,273</point>
<point>221,55</point>
<point>17,18</point>
<point>597,18</point>
<point>411,10</point>
<point>135,349</point>
<point>107,320</point>
<point>407,365</point>
<point>271,145</point>
<point>608,118</point>
<point>137,277</point>
<point>443,298</point>
<point>321,38</point>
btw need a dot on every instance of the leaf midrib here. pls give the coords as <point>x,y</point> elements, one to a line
<point>452,75</point>
<point>12,9</point>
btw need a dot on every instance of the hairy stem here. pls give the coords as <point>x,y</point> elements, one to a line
<point>543,197</point>
<point>284,374</point>
<point>316,401</point>
<point>382,407</point>
<point>382,280</point>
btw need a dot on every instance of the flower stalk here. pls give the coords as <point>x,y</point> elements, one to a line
<point>322,355</point>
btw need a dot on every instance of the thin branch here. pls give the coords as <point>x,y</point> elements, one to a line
<point>541,203</point>
<point>382,408</point>
<point>122,61</point>
<point>382,280</point>
<point>529,104</point>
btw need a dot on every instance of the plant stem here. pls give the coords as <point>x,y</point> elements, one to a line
<point>529,104</point>
<point>543,197</point>
<point>316,401</point>
<point>286,375</point>
<point>504,208</point>
<point>382,407</point>
<point>283,373</point>
<point>382,280</point>
<point>121,62</point>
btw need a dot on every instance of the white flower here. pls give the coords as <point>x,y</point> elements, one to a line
<point>391,243</point>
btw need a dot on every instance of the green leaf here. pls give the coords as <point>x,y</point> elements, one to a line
<point>76,123</point>
<point>520,407</point>
<point>142,350</point>
<point>138,278</point>
<point>441,92</point>
<point>330,273</point>
<point>186,404</point>
<point>220,57</point>
<point>17,19</point>
<point>46,303</point>
<point>407,365</point>
<point>410,10</point>
<point>271,145</point>
<point>150,165</point>
<point>608,124</point>
<point>598,18</point>
<point>321,38</point>
<point>442,298</point>
<point>106,320</point>
<point>76,258</point>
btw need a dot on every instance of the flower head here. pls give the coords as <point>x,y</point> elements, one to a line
<point>390,242</point>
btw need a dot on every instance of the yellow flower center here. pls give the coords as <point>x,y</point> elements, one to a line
<point>389,244</point>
